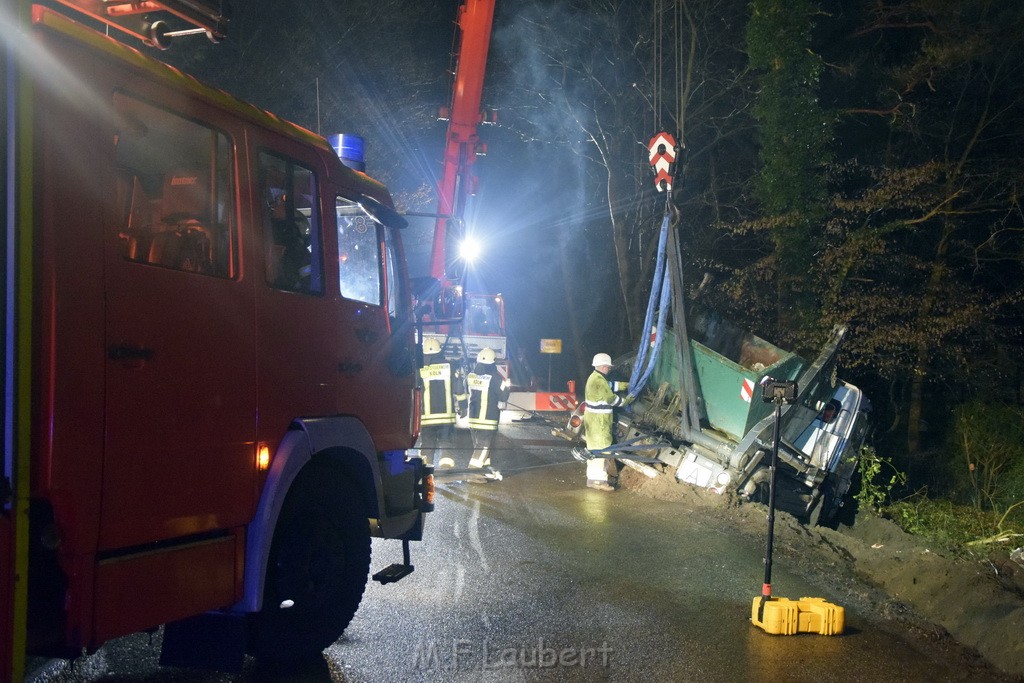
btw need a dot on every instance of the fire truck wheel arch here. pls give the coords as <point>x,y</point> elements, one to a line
<point>323,436</point>
<point>318,566</point>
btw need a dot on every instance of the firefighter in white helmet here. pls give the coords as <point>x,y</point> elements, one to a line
<point>599,420</point>
<point>487,390</point>
<point>437,411</point>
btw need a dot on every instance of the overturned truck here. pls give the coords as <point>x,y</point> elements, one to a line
<point>704,415</point>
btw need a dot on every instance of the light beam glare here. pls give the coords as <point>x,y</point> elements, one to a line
<point>470,249</point>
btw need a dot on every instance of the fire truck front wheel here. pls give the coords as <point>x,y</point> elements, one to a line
<point>317,570</point>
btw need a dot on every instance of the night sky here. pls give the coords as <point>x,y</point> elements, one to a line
<point>369,69</point>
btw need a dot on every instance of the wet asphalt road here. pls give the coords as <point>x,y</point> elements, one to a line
<point>536,577</point>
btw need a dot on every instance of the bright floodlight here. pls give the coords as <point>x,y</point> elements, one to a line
<point>470,250</point>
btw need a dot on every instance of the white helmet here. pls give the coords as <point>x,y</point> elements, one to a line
<point>431,347</point>
<point>602,359</point>
<point>486,356</point>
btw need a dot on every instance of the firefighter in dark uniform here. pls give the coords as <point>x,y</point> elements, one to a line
<point>486,391</point>
<point>437,414</point>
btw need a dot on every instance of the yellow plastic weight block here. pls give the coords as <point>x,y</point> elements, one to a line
<point>782,616</point>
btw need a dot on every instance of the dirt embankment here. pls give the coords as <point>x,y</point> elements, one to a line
<point>877,567</point>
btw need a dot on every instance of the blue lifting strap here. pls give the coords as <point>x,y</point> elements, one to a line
<point>660,292</point>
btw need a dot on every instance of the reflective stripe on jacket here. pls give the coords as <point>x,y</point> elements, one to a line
<point>438,407</point>
<point>598,417</point>
<point>485,393</point>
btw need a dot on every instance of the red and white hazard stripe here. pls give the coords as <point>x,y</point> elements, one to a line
<point>747,390</point>
<point>543,401</point>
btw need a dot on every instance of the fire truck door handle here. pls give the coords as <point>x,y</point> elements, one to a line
<point>129,352</point>
<point>347,368</point>
<point>366,336</point>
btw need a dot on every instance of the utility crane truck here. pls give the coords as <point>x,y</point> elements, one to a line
<point>483,324</point>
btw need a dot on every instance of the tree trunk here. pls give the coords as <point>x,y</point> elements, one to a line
<point>916,407</point>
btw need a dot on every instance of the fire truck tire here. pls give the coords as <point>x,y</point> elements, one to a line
<point>317,570</point>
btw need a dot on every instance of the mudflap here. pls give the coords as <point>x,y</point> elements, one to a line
<point>215,641</point>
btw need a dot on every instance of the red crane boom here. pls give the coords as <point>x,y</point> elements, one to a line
<point>484,320</point>
<point>475,20</point>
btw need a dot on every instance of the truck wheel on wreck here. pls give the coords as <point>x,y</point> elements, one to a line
<point>791,497</point>
<point>813,517</point>
<point>831,510</point>
<point>317,570</point>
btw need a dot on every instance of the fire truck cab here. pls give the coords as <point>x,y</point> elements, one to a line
<point>210,375</point>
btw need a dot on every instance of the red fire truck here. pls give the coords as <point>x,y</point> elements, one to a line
<point>210,362</point>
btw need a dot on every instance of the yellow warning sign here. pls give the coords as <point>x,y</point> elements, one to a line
<point>550,345</point>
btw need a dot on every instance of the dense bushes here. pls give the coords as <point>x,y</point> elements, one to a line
<point>985,456</point>
<point>982,464</point>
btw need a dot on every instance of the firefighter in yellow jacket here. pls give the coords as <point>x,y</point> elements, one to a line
<point>599,422</point>
<point>437,411</point>
<point>486,390</point>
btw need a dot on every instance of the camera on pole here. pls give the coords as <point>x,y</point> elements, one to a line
<point>782,616</point>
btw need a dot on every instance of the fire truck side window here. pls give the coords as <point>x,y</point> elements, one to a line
<point>175,191</point>
<point>483,316</point>
<point>359,256</point>
<point>291,225</point>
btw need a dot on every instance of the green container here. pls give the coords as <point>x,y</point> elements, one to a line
<point>729,364</point>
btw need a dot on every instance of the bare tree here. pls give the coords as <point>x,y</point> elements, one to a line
<point>930,243</point>
<point>599,79</point>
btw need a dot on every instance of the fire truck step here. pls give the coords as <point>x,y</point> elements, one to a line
<point>392,573</point>
<point>396,572</point>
